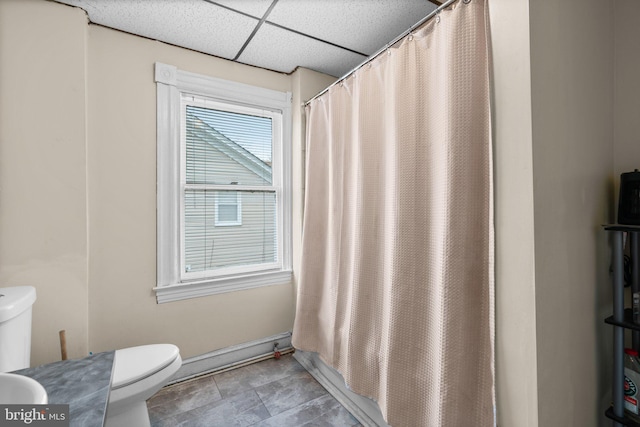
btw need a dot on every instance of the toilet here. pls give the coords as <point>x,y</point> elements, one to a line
<point>15,327</point>
<point>138,373</point>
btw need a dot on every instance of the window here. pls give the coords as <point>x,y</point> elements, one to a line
<point>228,209</point>
<point>223,185</point>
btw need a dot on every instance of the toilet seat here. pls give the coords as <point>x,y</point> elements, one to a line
<point>136,363</point>
<point>138,373</point>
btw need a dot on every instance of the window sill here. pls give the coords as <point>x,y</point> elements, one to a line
<point>201,288</point>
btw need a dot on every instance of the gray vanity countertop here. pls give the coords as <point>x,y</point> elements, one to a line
<point>83,384</point>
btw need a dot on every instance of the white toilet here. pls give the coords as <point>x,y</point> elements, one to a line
<point>138,373</point>
<point>15,327</point>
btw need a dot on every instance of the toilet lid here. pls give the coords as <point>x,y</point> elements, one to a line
<point>135,363</point>
<point>15,300</point>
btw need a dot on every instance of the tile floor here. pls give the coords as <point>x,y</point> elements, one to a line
<point>273,393</point>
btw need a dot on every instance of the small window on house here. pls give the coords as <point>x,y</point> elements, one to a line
<point>225,223</point>
<point>228,209</point>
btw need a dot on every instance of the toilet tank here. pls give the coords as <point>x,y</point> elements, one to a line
<point>15,327</point>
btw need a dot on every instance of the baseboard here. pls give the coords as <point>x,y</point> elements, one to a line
<point>365,410</point>
<point>231,357</point>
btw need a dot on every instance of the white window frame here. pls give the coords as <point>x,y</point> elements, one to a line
<point>171,85</point>
<point>238,204</point>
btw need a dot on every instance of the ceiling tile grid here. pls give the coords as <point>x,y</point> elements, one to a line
<point>361,25</point>
<point>281,50</point>
<point>194,24</point>
<point>329,36</point>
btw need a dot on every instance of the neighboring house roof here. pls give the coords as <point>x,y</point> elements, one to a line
<point>205,132</point>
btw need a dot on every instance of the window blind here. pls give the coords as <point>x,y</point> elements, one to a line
<point>230,202</point>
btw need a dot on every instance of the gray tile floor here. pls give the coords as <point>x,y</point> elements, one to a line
<point>273,393</point>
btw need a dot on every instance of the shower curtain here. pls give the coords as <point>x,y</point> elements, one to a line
<point>396,285</point>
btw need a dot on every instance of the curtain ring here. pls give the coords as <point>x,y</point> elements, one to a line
<point>438,16</point>
<point>410,38</point>
<point>466,1</point>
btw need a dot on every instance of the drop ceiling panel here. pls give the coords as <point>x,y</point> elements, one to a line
<point>255,8</point>
<point>194,24</point>
<point>362,25</point>
<point>281,50</point>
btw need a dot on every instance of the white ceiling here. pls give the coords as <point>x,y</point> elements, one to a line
<point>330,36</point>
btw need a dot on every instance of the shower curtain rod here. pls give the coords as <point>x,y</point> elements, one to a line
<point>387,46</point>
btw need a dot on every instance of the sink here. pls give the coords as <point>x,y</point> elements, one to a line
<point>18,389</point>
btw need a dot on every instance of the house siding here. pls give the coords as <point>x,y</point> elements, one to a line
<point>210,245</point>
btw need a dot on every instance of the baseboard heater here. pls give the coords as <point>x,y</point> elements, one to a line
<point>365,410</point>
<point>232,357</point>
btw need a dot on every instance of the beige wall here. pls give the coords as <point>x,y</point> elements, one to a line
<point>78,187</point>
<point>553,127</point>
<point>626,92</point>
<point>572,116</point>
<point>77,192</point>
<point>43,179</point>
<point>627,87</point>
<point>516,363</point>
<point>122,137</point>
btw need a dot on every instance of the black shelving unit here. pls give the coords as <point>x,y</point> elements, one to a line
<point>622,318</point>
<point>623,421</point>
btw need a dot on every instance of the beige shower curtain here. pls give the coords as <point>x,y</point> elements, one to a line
<point>396,286</point>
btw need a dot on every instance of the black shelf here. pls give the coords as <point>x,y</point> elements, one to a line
<point>623,317</point>
<point>628,320</point>
<point>624,420</point>
<point>622,227</point>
